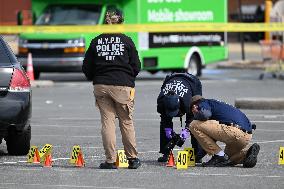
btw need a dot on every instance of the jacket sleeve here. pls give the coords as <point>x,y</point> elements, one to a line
<point>204,112</point>
<point>88,66</point>
<point>134,58</point>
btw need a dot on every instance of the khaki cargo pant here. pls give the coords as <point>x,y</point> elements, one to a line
<point>116,101</point>
<point>208,132</point>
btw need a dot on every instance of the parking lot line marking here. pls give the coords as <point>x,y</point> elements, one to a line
<point>233,175</point>
<point>64,126</point>
<point>270,141</point>
<point>94,136</point>
<point>265,115</point>
<point>68,186</point>
<point>269,130</point>
<point>264,121</point>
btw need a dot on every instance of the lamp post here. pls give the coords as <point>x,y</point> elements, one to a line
<point>241,33</point>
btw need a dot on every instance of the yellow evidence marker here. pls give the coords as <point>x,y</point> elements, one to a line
<point>44,152</point>
<point>121,159</point>
<point>182,159</point>
<point>281,156</point>
<point>74,154</point>
<point>33,155</point>
<point>191,157</point>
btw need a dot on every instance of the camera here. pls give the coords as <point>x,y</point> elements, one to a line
<point>176,140</point>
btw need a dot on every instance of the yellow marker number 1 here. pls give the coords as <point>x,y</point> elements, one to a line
<point>182,160</point>
<point>281,156</point>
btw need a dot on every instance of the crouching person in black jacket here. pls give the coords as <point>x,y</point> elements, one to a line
<point>174,101</point>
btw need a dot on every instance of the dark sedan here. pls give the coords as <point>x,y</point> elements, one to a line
<point>15,103</point>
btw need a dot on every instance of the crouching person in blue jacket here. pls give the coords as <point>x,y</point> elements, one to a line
<point>217,121</point>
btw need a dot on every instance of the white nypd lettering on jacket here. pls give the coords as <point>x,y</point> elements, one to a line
<point>177,86</point>
<point>110,47</point>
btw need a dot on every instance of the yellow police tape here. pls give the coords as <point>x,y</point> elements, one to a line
<point>165,27</point>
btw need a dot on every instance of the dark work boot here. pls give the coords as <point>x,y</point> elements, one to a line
<point>106,165</point>
<point>218,161</point>
<point>133,163</point>
<point>164,158</point>
<point>251,156</point>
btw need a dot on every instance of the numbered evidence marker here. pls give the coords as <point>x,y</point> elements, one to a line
<point>121,159</point>
<point>33,155</point>
<point>182,159</point>
<point>191,157</point>
<point>74,154</point>
<point>46,150</point>
<point>281,156</point>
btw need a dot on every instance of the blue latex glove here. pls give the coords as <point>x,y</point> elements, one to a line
<point>168,132</point>
<point>184,134</point>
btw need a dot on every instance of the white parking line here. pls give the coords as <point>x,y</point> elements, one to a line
<point>270,141</point>
<point>268,121</point>
<point>66,186</point>
<point>233,175</point>
<point>269,130</point>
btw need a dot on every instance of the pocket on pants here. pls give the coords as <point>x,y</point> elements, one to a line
<point>130,109</point>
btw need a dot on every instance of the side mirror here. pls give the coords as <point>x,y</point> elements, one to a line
<point>25,17</point>
<point>20,17</point>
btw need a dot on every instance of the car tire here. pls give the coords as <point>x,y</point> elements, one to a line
<point>194,66</point>
<point>36,74</point>
<point>19,143</point>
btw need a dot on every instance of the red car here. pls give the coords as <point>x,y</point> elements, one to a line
<point>15,103</point>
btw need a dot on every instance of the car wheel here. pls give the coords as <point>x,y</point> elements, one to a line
<point>19,143</point>
<point>36,74</point>
<point>194,66</point>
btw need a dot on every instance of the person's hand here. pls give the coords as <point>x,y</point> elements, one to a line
<point>184,134</point>
<point>168,132</point>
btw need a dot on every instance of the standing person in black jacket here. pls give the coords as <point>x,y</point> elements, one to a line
<point>174,101</point>
<point>112,63</point>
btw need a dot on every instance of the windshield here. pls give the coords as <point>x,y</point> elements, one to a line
<point>70,15</point>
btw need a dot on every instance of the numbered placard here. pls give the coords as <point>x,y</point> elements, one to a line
<point>121,160</point>
<point>44,152</point>
<point>281,156</point>
<point>32,153</point>
<point>182,159</point>
<point>74,154</point>
<point>191,157</point>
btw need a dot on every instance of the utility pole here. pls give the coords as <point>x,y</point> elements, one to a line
<point>241,33</point>
<point>268,7</point>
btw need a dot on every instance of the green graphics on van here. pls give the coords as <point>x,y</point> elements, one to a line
<point>163,51</point>
<point>187,50</point>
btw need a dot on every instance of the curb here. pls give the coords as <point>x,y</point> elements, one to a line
<point>245,65</point>
<point>260,103</point>
<point>42,83</point>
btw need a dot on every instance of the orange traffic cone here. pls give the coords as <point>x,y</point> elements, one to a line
<point>171,161</point>
<point>80,161</point>
<point>48,161</point>
<point>30,69</point>
<point>36,157</point>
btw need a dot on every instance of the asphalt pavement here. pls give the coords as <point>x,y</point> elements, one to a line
<point>65,115</point>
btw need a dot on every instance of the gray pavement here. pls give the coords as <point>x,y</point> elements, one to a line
<point>65,115</point>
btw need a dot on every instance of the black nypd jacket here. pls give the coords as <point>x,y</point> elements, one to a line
<point>112,59</point>
<point>186,86</point>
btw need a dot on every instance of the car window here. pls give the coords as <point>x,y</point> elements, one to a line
<point>7,56</point>
<point>4,58</point>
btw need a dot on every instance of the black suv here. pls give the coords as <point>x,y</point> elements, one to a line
<point>15,103</point>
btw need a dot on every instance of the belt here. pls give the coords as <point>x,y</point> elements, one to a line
<point>239,127</point>
<point>245,131</point>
